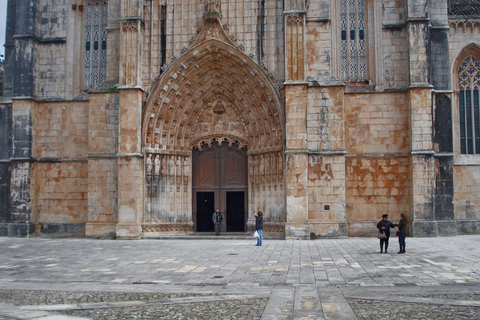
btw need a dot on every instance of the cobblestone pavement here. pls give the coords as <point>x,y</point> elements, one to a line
<point>61,279</point>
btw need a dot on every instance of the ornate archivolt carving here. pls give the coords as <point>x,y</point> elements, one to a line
<point>213,88</point>
<point>212,92</point>
<point>208,140</point>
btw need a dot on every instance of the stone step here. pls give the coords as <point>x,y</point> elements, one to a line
<point>204,236</point>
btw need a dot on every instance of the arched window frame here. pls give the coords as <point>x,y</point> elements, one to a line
<point>466,84</point>
<point>95,43</point>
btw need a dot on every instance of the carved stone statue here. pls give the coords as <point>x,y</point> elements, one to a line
<point>186,167</point>
<point>171,165</point>
<point>157,165</point>
<point>164,167</point>
<point>149,164</point>
<point>179,166</point>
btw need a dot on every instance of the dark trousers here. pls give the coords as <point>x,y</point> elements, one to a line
<point>384,242</point>
<point>217,228</point>
<point>401,241</point>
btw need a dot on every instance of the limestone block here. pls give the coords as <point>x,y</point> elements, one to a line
<point>328,230</point>
<point>130,196</point>
<point>376,123</point>
<point>296,187</point>
<point>376,185</point>
<point>60,130</point>
<point>130,121</point>
<point>60,192</point>
<point>424,228</point>
<point>295,116</point>
<point>467,193</point>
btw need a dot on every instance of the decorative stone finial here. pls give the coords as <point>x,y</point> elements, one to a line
<point>212,10</point>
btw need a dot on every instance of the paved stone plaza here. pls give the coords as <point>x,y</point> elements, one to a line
<point>225,278</point>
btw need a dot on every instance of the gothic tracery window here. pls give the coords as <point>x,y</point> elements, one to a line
<point>469,110</point>
<point>95,59</point>
<point>353,53</point>
<point>463,7</point>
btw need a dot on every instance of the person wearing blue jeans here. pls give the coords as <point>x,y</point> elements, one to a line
<point>259,227</point>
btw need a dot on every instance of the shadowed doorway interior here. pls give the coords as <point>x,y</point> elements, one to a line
<point>205,209</point>
<point>236,211</point>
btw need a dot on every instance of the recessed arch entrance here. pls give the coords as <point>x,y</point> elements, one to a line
<point>220,180</point>
<point>212,97</point>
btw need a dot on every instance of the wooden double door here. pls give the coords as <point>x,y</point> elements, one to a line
<point>219,180</point>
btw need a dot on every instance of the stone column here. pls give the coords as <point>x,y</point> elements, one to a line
<point>296,184</point>
<point>21,215</point>
<point>326,167</point>
<point>103,117</point>
<point>18,82</point>
<point>5,155</point>
<point>422,163</point>
<point>442,126</point>
<point>420,106</point>
<point>130,166</point>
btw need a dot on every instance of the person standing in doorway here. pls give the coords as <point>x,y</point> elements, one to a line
<point>259,226</point>
<point>384,226</point>
<point>217,221</point>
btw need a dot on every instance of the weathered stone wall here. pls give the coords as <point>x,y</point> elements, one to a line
<point>5,154</point>
<point>51,20</point>
<point>377,164</point>
<point>326,196</point>
<point>464,40</point>
<point>467,199</point>
<point>131,173</point>
<point>76,162</point>
<point>50,76</point>
<point>394,62</point>
<point>296,163</point>
<point>376,123</point>
<point>376,186</point>
<point>318,50</point>
<point>103,118</point>
<point>60,130</point>
<point>20,205</point>
<point>59,197</point>
<point>59,178</point>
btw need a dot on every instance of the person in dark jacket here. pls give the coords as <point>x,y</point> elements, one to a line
<point>217,219</point>
<point>403,232</point>
<point>259,226</point>
<point>384,226</point>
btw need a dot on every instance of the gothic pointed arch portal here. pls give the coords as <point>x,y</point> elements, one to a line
<point>213,93</point>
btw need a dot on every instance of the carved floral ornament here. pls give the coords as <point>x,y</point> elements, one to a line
<point>207,141</point>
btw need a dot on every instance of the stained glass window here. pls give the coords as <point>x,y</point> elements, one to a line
<point>353,53</point>
<point>95,60</point>
<point>469,110</point>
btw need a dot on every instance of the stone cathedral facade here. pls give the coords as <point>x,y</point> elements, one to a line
<point>138,118</point>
